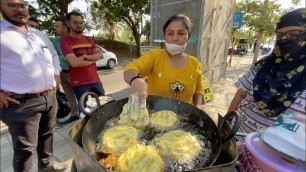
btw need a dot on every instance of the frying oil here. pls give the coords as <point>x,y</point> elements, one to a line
<point>148,134</point>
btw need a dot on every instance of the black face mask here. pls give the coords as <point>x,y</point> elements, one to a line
<point>290,46</point>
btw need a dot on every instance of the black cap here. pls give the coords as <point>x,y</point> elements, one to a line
<point>295,17</point>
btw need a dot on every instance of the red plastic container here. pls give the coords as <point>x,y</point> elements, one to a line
<point>270,160</point>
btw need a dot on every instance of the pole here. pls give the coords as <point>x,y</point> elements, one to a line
<point>229,63</point>
<point>258,42</point>
<point>259,36</point>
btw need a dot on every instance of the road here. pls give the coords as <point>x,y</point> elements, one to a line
<point>112,79</point>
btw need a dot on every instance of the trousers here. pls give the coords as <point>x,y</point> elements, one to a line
<point>72,101</point>
<point>31,126</point>
<point>95,87</point>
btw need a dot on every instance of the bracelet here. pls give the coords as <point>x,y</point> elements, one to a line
<point>135,77</point>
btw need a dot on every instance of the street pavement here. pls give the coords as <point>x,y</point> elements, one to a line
<point>223,90</point>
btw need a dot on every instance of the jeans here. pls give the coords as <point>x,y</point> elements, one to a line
<point>65,82</point>
<point>95,87</point>
<point>31,126</point>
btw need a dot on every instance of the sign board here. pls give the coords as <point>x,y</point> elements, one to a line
<point>237,22</point>
<point>191,39</point>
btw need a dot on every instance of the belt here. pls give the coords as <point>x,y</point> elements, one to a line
<point>65,71</point>
<point>31,95</point>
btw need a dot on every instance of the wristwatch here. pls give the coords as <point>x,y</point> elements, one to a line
<point>85,57</point>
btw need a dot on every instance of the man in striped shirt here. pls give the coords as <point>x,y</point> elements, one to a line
<point>82,53</point>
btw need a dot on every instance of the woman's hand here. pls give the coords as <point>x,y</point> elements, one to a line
<point>197,100</point>
<point>140,87</point>
<point>239,96</point>
<point>200,106</point>
<point>138,84</point>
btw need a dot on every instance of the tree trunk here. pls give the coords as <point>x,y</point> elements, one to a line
<point>64,11</point>
<point>148,39</point>
<point>111,34</point>
<point>136,35</point>
<point>137,39</point>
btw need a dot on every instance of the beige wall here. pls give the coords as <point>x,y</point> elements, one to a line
<point>215,39</point>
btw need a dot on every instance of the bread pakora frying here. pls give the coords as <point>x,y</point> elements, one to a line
<point>140,159</point>
<point>119,138</point>
<point>179,145</point>
<point>164,119</point>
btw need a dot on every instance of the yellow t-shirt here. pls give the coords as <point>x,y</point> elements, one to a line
<point>163,80</point>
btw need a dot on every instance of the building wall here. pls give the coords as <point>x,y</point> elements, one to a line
<point>215,38</point>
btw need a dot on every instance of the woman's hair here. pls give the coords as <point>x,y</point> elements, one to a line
<point>179,17</point>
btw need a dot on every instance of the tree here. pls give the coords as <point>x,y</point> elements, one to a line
<point>129,11</point>
<point>58,8</point>
<point>102,19</point>
<point>49,10</point>
<point>254,19</point>
<point>296,2</point>
<point>261,16</point>
<point>146,31</point>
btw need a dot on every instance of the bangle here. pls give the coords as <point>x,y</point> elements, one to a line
<point>135,77</point>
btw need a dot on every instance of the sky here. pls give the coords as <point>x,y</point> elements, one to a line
<point>82,5</point>
<point>287,4</point>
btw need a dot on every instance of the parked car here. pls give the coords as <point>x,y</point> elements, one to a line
<point>110,59</point>
<point>240,50</point>
<point>266,49</point>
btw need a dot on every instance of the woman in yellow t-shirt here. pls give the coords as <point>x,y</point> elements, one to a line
<point>171,72</point>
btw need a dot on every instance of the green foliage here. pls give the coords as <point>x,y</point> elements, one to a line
<point>104,35</point>
<point>295,2</point>
<point>57,8</point>
<point>259,16</point>
<point>146,31</point>
<point>126,35</point>
<point>129,11</point>
<point>48,11</point>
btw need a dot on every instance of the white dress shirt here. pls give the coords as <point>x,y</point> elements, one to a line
<point>28,60</point>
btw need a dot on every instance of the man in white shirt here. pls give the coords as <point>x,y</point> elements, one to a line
<point>29,75</point>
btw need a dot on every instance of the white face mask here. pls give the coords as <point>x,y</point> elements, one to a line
<point>175,49</point>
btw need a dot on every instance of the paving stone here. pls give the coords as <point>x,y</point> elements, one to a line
<point>8,151</point>
<point>6,163</point>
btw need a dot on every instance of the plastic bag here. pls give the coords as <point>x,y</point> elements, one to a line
<point>63,106</point>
